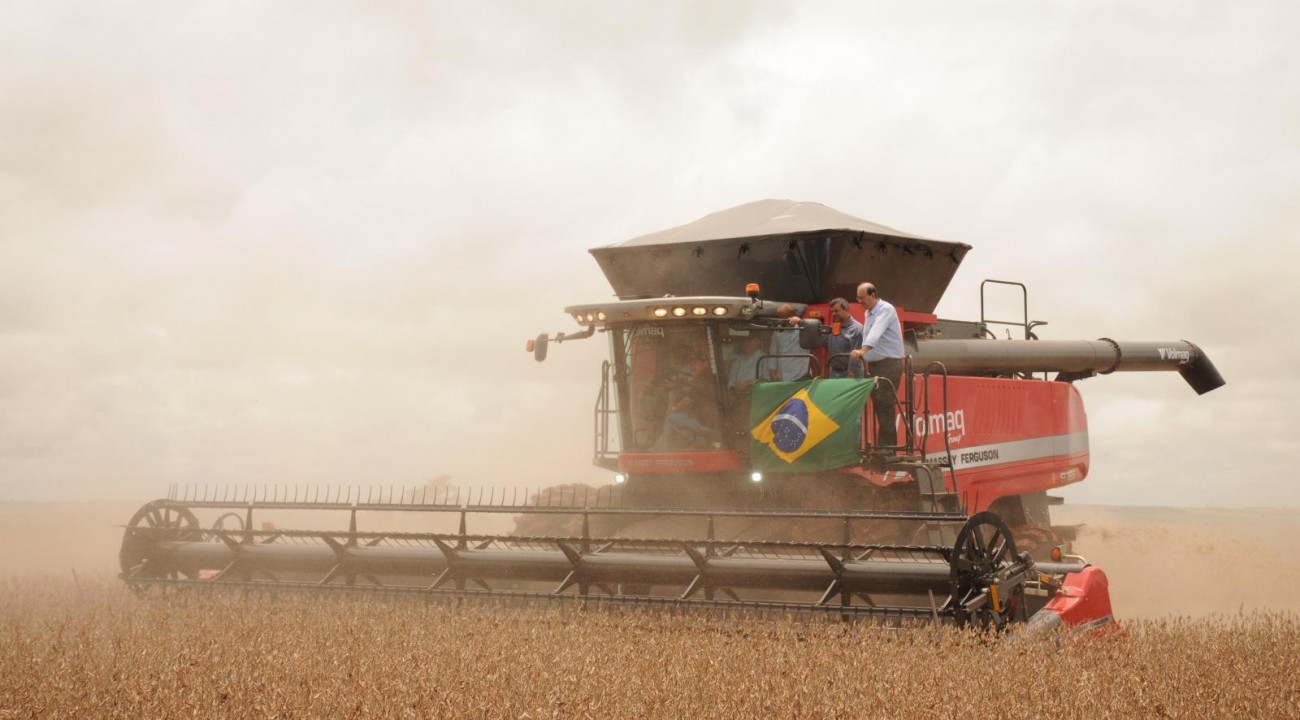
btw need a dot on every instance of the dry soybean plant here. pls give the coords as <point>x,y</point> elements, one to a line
<point>94,650</point>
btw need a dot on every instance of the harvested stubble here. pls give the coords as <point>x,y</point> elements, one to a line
<point>97,651</point>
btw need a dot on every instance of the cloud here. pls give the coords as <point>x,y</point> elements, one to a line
<point>306,242</point>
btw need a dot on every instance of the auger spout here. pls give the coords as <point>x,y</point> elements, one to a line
<point>1074,359</point>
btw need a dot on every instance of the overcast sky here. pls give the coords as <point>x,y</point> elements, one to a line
<point>254,242</point>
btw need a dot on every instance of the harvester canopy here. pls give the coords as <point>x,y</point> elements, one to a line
<point>799,251</point>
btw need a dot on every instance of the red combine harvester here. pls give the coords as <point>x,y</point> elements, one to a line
<point>731,428</point>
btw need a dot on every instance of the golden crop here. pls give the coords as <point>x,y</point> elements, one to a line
<point>96,651</point>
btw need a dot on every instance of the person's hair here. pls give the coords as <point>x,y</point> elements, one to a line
<point>839,303</point>
<point>785,311</point>
<point>871,289</point>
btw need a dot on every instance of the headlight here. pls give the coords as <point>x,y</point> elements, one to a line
<point>720,310</point>
<point>660,312</point>
<point>756,477</point>
<point>601,316</point>
<point>699,311</point>
<point>679,312</point>
<point>591,317</point>
<point>620,479</point>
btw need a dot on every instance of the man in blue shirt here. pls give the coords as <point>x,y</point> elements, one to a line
<point>843,341</point>
<point>882,349</point>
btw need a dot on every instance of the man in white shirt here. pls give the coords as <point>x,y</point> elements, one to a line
<point>882,349</point>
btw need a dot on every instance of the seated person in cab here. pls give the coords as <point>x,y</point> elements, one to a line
<point>684,426</point>
<point>694,371</point>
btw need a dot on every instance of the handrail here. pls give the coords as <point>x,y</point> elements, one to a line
<point>1024,296</point>
<point>813,358</point>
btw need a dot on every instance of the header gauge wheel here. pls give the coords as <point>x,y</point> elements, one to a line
<point>159,521</point>
<point>983,549</point>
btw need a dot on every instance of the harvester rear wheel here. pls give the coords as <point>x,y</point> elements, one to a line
<point>159,521</point>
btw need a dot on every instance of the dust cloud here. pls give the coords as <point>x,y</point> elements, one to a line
<point>1189,562</point>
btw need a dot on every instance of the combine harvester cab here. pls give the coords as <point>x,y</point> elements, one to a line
<point>777,493</point>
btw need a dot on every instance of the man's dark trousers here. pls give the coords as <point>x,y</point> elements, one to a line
<point>889,372</point>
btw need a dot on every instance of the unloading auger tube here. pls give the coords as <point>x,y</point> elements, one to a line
<point>981,580</point>
<point>1073,359</point>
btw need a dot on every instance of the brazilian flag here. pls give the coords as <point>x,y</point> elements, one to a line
<point>807,426</point>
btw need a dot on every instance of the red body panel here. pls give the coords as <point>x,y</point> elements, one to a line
<point>1007,437</point>
<point>679,462</point>
<point>1082,603</point>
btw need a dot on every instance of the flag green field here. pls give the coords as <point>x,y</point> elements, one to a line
<point>807,426</point>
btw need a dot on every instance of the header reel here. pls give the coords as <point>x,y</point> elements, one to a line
<point>979,582</point>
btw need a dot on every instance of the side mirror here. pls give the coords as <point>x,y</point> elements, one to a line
<point>539,347</point>
<point>810,334</point>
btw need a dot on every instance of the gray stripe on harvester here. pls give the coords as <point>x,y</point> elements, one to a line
<point>1015,451</point>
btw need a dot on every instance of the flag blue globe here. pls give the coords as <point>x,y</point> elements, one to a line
<point>790,426</point>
